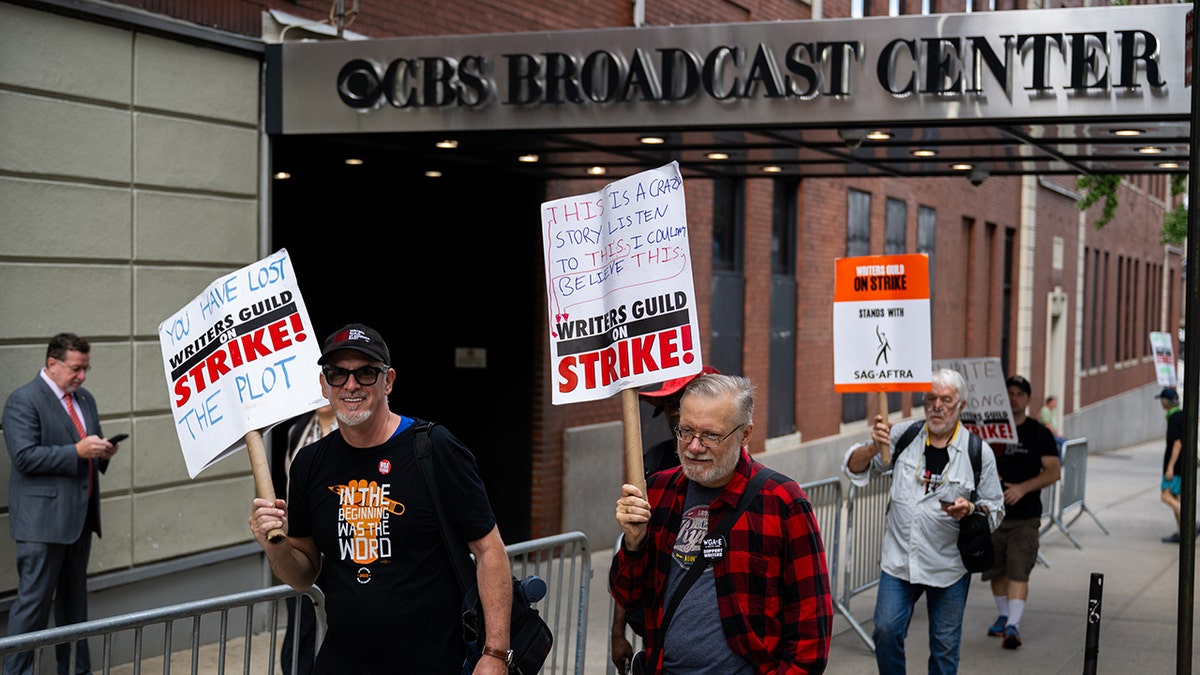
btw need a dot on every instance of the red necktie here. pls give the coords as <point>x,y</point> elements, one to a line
<point>75,416</point>
<point>82,432</point>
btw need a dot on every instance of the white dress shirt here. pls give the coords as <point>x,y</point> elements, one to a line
<point>920,544</point>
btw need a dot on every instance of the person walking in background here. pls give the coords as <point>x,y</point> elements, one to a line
<point>1172,484</point>
<point>764,605</point>
<point>1025,468</point>
<point>932,480</point>
<point>1049,420</point>
<point>661,456</point>
<point>52,429</point>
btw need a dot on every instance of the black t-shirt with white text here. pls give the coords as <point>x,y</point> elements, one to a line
<point>392,601</point>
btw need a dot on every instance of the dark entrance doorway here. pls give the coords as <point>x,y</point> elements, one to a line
<point>439,265</point>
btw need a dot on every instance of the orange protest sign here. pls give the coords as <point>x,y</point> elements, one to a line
<point>881,323</point>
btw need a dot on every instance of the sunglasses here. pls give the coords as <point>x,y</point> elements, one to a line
<point>366,375</point>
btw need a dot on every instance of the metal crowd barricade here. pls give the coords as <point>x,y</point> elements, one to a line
<point>1070,495</point>
<point>562,561</point>
<point>866,519</point>
<point>256,611</point>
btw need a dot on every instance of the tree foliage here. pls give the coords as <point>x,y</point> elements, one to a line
<point>1093,189</point>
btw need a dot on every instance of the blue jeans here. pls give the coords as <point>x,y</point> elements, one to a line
<point>893,612</point>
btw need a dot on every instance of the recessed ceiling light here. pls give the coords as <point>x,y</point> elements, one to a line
<point>962,166</point>
<point>718,156</point>
<point>878,135</point>
<point>282,175</point>
<point>353,161</point>
<point>1127,132</point>
<point>652,140</point>
<point>448,144</point>
<point>528,159</point>
<point>923,152</point>
<point>1167,165</point>
<point>1150,150</point>
<point>596,171</point>
<point>772,169</point>
<point>433,174</point>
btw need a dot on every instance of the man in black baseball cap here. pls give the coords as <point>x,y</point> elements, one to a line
<point>358,515</point>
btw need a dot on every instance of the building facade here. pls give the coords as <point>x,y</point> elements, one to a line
<point>138,162</point>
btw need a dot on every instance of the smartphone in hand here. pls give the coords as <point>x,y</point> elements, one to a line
<point>117,439</point>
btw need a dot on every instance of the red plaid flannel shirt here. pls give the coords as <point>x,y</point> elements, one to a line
<point>773,588</point>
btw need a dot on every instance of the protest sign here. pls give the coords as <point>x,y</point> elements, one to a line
<point>239,358</point>
<point>881,339</point>
<point>988,413</point>
<point>622,307</point>
<point>1164,359</point>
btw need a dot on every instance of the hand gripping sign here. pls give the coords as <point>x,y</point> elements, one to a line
<point>622,305</point>
<point>881,337</point>
<point>239,358</point>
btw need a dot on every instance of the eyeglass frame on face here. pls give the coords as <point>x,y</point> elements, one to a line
<point>331,372</point>
<point>705,439</point>
<point>74,369</point>
<point>930,402</point>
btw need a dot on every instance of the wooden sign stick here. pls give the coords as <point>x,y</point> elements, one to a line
<point>262,477</point>
<point>635,472</point>
<point>885,449</point>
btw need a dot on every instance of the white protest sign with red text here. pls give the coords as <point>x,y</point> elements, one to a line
<point>240,357</point>
<point>1164,359</point>
<point>622,307</point>
<point>881,339</point>
<point>988,413</point>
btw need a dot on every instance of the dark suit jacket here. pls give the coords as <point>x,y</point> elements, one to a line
<point>48,489</point>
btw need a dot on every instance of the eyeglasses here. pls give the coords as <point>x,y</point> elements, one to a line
<point>366,375</point>
<point>710,441</point>
<point>74,369</point>
<point>932,402</point>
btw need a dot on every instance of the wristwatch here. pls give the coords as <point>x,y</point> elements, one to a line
<point>504,655</point>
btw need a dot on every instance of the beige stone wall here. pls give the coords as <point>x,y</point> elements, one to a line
<point>129,179</point>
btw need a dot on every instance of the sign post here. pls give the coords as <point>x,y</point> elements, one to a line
<point>622,307</point>
<point>881,335</point>
<point>240,358</point>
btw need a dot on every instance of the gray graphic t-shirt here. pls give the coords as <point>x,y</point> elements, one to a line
<point>694,643</point>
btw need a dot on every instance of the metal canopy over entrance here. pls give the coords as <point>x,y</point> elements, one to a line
<point>1068,91</point>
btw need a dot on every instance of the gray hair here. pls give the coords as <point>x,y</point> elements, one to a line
<point>740,390</point>
<point>950,378</point>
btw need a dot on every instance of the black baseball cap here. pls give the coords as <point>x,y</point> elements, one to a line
<point>357,337</point>
<point>1168,393</point>
<point>1020,383</point>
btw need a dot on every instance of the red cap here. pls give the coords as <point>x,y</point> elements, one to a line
<point>673,386</point>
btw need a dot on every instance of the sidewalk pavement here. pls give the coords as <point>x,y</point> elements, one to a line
<point>1138,615</point>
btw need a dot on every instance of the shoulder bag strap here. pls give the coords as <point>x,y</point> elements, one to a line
<point>466,580</point>
<point>905,440</point>
<point>698,565</point>
<point>974,451</point>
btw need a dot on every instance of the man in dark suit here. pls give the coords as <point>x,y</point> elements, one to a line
<point>52,429</point>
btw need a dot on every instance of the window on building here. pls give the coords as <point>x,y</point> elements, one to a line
<point>728,195</point>
<point>783,227</point>
<point>896,214</point>
<point>858,223</point>
<point>1006,298</point>
<point>926,237</point>
<point>858,242</point>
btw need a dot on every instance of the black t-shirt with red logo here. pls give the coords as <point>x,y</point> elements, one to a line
<point>392,601</point>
